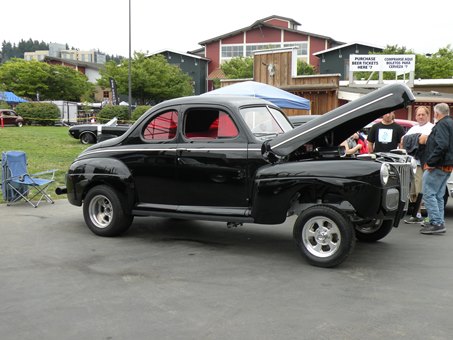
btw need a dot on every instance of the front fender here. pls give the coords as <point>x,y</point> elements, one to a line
<point>329,182</point>
<point>85,173</point>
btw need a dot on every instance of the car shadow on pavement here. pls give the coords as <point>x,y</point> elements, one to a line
<point>250,239</point>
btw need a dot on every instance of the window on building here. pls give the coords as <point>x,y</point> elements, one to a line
<point>302,48</point>
<point>231,51</point>
<point>249,49</point>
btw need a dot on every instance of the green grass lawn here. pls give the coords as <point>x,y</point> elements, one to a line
<point>47,147</point>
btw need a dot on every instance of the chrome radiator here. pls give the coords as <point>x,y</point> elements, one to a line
<point>405,175</point>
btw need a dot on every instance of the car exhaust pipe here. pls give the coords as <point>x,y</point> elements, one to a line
<point>61,190</point>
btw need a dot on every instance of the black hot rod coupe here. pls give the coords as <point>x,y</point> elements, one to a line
<point>93,133</point>
<point>238,159</point>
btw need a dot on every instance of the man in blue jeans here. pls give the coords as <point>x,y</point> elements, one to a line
<point>438,166</point>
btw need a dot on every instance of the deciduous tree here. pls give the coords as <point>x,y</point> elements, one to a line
<point>31,79</point>
<point>153,79</point>
<point>437,66</point>
<point>238,68</point>
<point>304,68</point>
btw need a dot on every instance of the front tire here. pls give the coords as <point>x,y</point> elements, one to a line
<point>324,236</point>
<point>373,231</point>
<point>104,213</point>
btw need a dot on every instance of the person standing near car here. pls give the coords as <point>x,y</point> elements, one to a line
<point>411,138</point>
<point>438,166</point>
<point>351,145</point>
<point>386,135</point>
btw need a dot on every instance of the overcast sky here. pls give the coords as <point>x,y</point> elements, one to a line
<point>180,25</point>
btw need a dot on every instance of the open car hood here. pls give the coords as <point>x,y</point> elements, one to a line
<point>337,125</point>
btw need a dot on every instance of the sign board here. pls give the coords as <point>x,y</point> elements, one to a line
<point>399,63</point>
<point>364,63</point>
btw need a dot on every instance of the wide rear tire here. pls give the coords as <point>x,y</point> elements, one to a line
<point>104,212</point>
<point>324,236</point>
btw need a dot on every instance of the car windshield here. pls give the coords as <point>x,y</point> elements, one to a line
<point>265,121</point>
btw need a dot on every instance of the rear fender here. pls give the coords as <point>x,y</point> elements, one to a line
<point>84,174</point>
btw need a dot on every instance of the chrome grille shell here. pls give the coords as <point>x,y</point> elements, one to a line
<point>405,175</point>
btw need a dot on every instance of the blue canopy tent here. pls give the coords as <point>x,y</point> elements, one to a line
<point>281,98</point>
<point>11,98</point>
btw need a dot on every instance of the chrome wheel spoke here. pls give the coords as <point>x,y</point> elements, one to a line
<point>321,236</point>
<point>101,212</point>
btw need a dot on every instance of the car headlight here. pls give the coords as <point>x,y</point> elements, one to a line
<point>384,173</point>
<point>413,165</point>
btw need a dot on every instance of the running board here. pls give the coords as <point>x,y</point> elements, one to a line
<point>227,214</point>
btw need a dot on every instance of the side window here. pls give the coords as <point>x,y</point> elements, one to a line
<point>209,124</point>
<point>162,127</point>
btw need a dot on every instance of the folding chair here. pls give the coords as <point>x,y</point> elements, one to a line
<point>18,184</point>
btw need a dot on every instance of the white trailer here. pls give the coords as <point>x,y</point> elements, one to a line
<point>68,111</point>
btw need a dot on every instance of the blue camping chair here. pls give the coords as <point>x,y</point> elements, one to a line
<point>18,184</point>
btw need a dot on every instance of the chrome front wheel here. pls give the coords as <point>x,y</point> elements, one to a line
<point>324,235</point>
<point>321,236</point>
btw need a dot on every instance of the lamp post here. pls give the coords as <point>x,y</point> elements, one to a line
<point>129,68</point>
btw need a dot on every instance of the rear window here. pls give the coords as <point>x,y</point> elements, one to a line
<point>162,127</point>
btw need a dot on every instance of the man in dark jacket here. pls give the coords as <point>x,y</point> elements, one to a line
<point>438,166</point>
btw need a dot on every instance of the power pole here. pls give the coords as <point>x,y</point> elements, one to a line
<point>129,69</point>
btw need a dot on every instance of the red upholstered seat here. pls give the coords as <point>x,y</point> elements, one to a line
<point>223,127</point>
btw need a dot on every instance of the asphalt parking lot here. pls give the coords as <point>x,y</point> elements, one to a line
<point>173,279</point>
